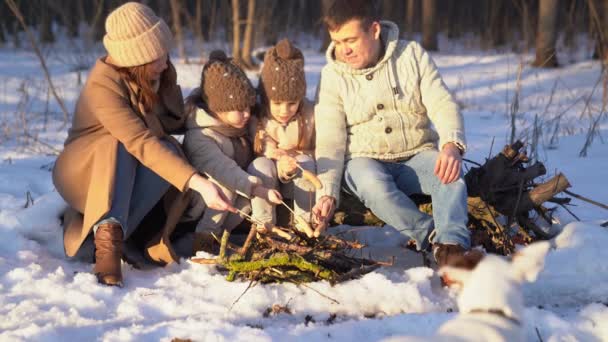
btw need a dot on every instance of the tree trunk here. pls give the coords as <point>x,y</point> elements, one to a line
<point>198,20</point>
<point>411,22</point>
<point>263,21</point>
<point>247,43</point>
<point>2,35</point>
<point>599,19</point>
<point>236,31</point>
<point>45,26</point>
<point>212,20</point>
<point>526,26</point>
<point>429,25</point>
<point>97,25</point>
<point>176,6</point>
<point>326,38</point>
<point>546,34</point>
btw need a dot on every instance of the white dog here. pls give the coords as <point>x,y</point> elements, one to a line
<point>491,303</point>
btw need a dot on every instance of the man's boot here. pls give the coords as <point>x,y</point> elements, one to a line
<point>446,254</point>
<point>108,254</point>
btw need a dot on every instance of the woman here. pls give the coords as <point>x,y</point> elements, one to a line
<point>119,159</point>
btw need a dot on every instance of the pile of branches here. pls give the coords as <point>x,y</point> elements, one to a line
<point>505,203</point>
<point>288,255</point>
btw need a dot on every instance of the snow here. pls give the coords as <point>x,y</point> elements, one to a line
<point>45,297</point>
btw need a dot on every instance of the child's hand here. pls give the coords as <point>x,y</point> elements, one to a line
<point>287,165</point>
<point>277,153</point>
<point>274,196</point>
<point>270,195</point>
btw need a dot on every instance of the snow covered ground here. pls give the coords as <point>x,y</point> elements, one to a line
<point>44,297</point>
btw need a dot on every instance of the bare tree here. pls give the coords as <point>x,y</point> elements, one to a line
<point>546,34</point>
<point>236,30</point>
<point>411,24</point>
<point>176,17</point>
<point>326,38</point>
<point>429,25</point>
<point>45,26</point>
<point>598,11</point>
<point>247,43</point>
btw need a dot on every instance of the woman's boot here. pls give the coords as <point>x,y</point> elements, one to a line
<point>108,254</point>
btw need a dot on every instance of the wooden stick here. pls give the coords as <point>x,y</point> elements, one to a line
<point>582,198</point>
<point>247,243</point>
<point>288,208</point>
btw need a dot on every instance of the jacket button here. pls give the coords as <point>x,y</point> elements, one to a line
<point>369,77</point>
<point>388,130</point>
<point>380,106</point>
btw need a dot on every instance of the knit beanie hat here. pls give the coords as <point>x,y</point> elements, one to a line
<point>282,77</point>
<point>225,87</point>
<point>135,35</point>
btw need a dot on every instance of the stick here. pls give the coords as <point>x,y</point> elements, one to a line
<point>247,243</point>
<point>288,208</point>
<point>582,198</point>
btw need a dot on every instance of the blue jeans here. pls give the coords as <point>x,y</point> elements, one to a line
<point>384,188</point>
<point>136,190</point>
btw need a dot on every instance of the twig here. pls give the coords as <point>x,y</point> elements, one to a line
<point>569,211</point>
<point>15,9</point>
<point>538,334</point>
<point>515,103</point>
<point>251,284</point>
<point>321,294</point>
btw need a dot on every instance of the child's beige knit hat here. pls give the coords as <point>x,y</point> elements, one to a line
<point>136,36</point>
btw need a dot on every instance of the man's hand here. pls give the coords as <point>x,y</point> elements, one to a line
<point>449,161</point>
<point>322,213</point>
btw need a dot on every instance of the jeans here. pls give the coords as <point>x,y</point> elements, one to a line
<point>136,190</point>
<point>299,189</point>
<point>384,188</point>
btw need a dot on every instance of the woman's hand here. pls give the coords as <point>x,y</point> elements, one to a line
<point>214,198</point>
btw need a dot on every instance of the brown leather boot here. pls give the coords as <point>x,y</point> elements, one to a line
<point>446,254</point>
<point>108,253</point>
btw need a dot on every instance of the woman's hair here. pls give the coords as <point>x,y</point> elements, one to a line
<point>140,75</point>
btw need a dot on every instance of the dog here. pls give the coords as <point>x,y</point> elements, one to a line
<point>491,303</point>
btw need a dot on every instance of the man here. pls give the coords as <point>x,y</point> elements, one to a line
<point>388,123</point>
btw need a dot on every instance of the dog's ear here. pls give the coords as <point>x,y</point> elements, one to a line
<point>454,275</point>
<point>528,262</point>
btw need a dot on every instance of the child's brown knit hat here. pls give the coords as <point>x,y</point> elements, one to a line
<point>225,87</point>
<point>282,76</point>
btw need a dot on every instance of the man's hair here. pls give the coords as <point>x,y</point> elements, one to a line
<point>339,12</point>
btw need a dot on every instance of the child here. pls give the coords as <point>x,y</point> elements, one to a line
<point>284,136</point>
<point>217,145</point>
